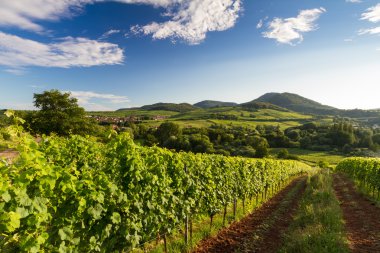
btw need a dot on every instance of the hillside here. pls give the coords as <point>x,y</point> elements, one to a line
<point>304,105</point>
<point>183,107</point>
<point>211,104</point>
<point>296,103</point>
<point>262,105</point>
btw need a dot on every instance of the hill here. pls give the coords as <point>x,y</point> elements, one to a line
<point>296,103</point>
<point>262,105</point>
<point>211,104</point>
<point>304,105</point>
<point>183,107</point>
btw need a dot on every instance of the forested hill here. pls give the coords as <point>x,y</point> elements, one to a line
<point>304,105</point>
<point>276,101</point>
<point>211,104</point>
<point>296,103</point>
<point>183,107</point>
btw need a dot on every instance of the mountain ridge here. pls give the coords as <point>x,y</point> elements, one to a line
<point>273,100</point>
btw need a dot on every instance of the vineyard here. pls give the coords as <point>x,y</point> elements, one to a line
<point>365,170</point>
<point>79,195</point>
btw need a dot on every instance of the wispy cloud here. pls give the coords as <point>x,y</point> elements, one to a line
<point>371,31</point>
<point>354,1</point>
<point>372,15</point>
<point>87,97</point>
<point>291,30</point>
<point>107,34</point>
<point>17,53</point>
<point>191,20</point>
<point>17,72</point>
<point>25,14</point>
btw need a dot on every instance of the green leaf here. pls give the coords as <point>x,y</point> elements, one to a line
<point>6,196</point>
<point>22,212</point>
<point>65,233</point>
<point>42,238</point>
<point>11,221</point>
<point>9,113</point>
<point>116,218</point>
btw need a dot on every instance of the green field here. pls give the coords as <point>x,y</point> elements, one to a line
<point>312,156</point>
<point>208,117</point>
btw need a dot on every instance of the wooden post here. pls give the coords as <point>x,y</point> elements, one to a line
<point>186,223</point>
<point>165,244</point>
<point>186,230</point>
<point>224,214</point>
<point>191,231</point>
<point>211,218</point>
<point>158,238</point>
<point>235,209</point>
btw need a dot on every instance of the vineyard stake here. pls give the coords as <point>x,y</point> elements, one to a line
<point>224,214</point>
<point>165,244</point>
<point>187,230</point>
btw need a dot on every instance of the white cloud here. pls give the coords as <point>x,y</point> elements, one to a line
<point>17,52</point>
<point>291,29</point>
<point>371,31</point>
<point>17,72</point>
<point>354,1</point>
<point>109,33</point>
<point>372,14</point>
<point>87,97</point>
<point>192,19</point>
<point>260,24</point>
<point>24,13</point>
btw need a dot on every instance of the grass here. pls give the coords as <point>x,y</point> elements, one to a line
<point>201,227</point>
<point>312,156</point>
<point>318,226</point>
<point>203,117</point>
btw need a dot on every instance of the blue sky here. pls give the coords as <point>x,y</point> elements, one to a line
<point>126,53</point>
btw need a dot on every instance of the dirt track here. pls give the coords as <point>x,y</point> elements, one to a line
<point>361,216</point>
<point>262,230</point>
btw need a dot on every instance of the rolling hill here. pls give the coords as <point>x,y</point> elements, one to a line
<point>211,104</point>
<point>304,105</point>
<point>296,103</point>
<point>183,107</point>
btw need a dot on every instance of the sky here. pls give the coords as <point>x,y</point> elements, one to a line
<point>113,54</point>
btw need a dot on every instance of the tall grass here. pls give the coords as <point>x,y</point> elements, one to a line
<point>318,225</point>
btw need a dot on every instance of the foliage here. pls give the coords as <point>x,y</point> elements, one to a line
<point>60,114</point>
<point>77,195</point>
<point>365,170</point>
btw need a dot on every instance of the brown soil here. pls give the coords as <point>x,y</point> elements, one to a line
<point>262,230</point>
<point>361,216</point>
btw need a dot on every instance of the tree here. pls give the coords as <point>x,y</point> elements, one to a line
<point>167,130</point>
<point>283,154</point>
<point>60,114</point>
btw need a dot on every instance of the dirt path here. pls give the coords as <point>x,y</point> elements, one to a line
<point>262,230</point>
<point>362,217</point>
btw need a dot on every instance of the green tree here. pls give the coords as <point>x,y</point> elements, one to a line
<point>283,154</point>
<point>59,113</point>
<point>167,130</point>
